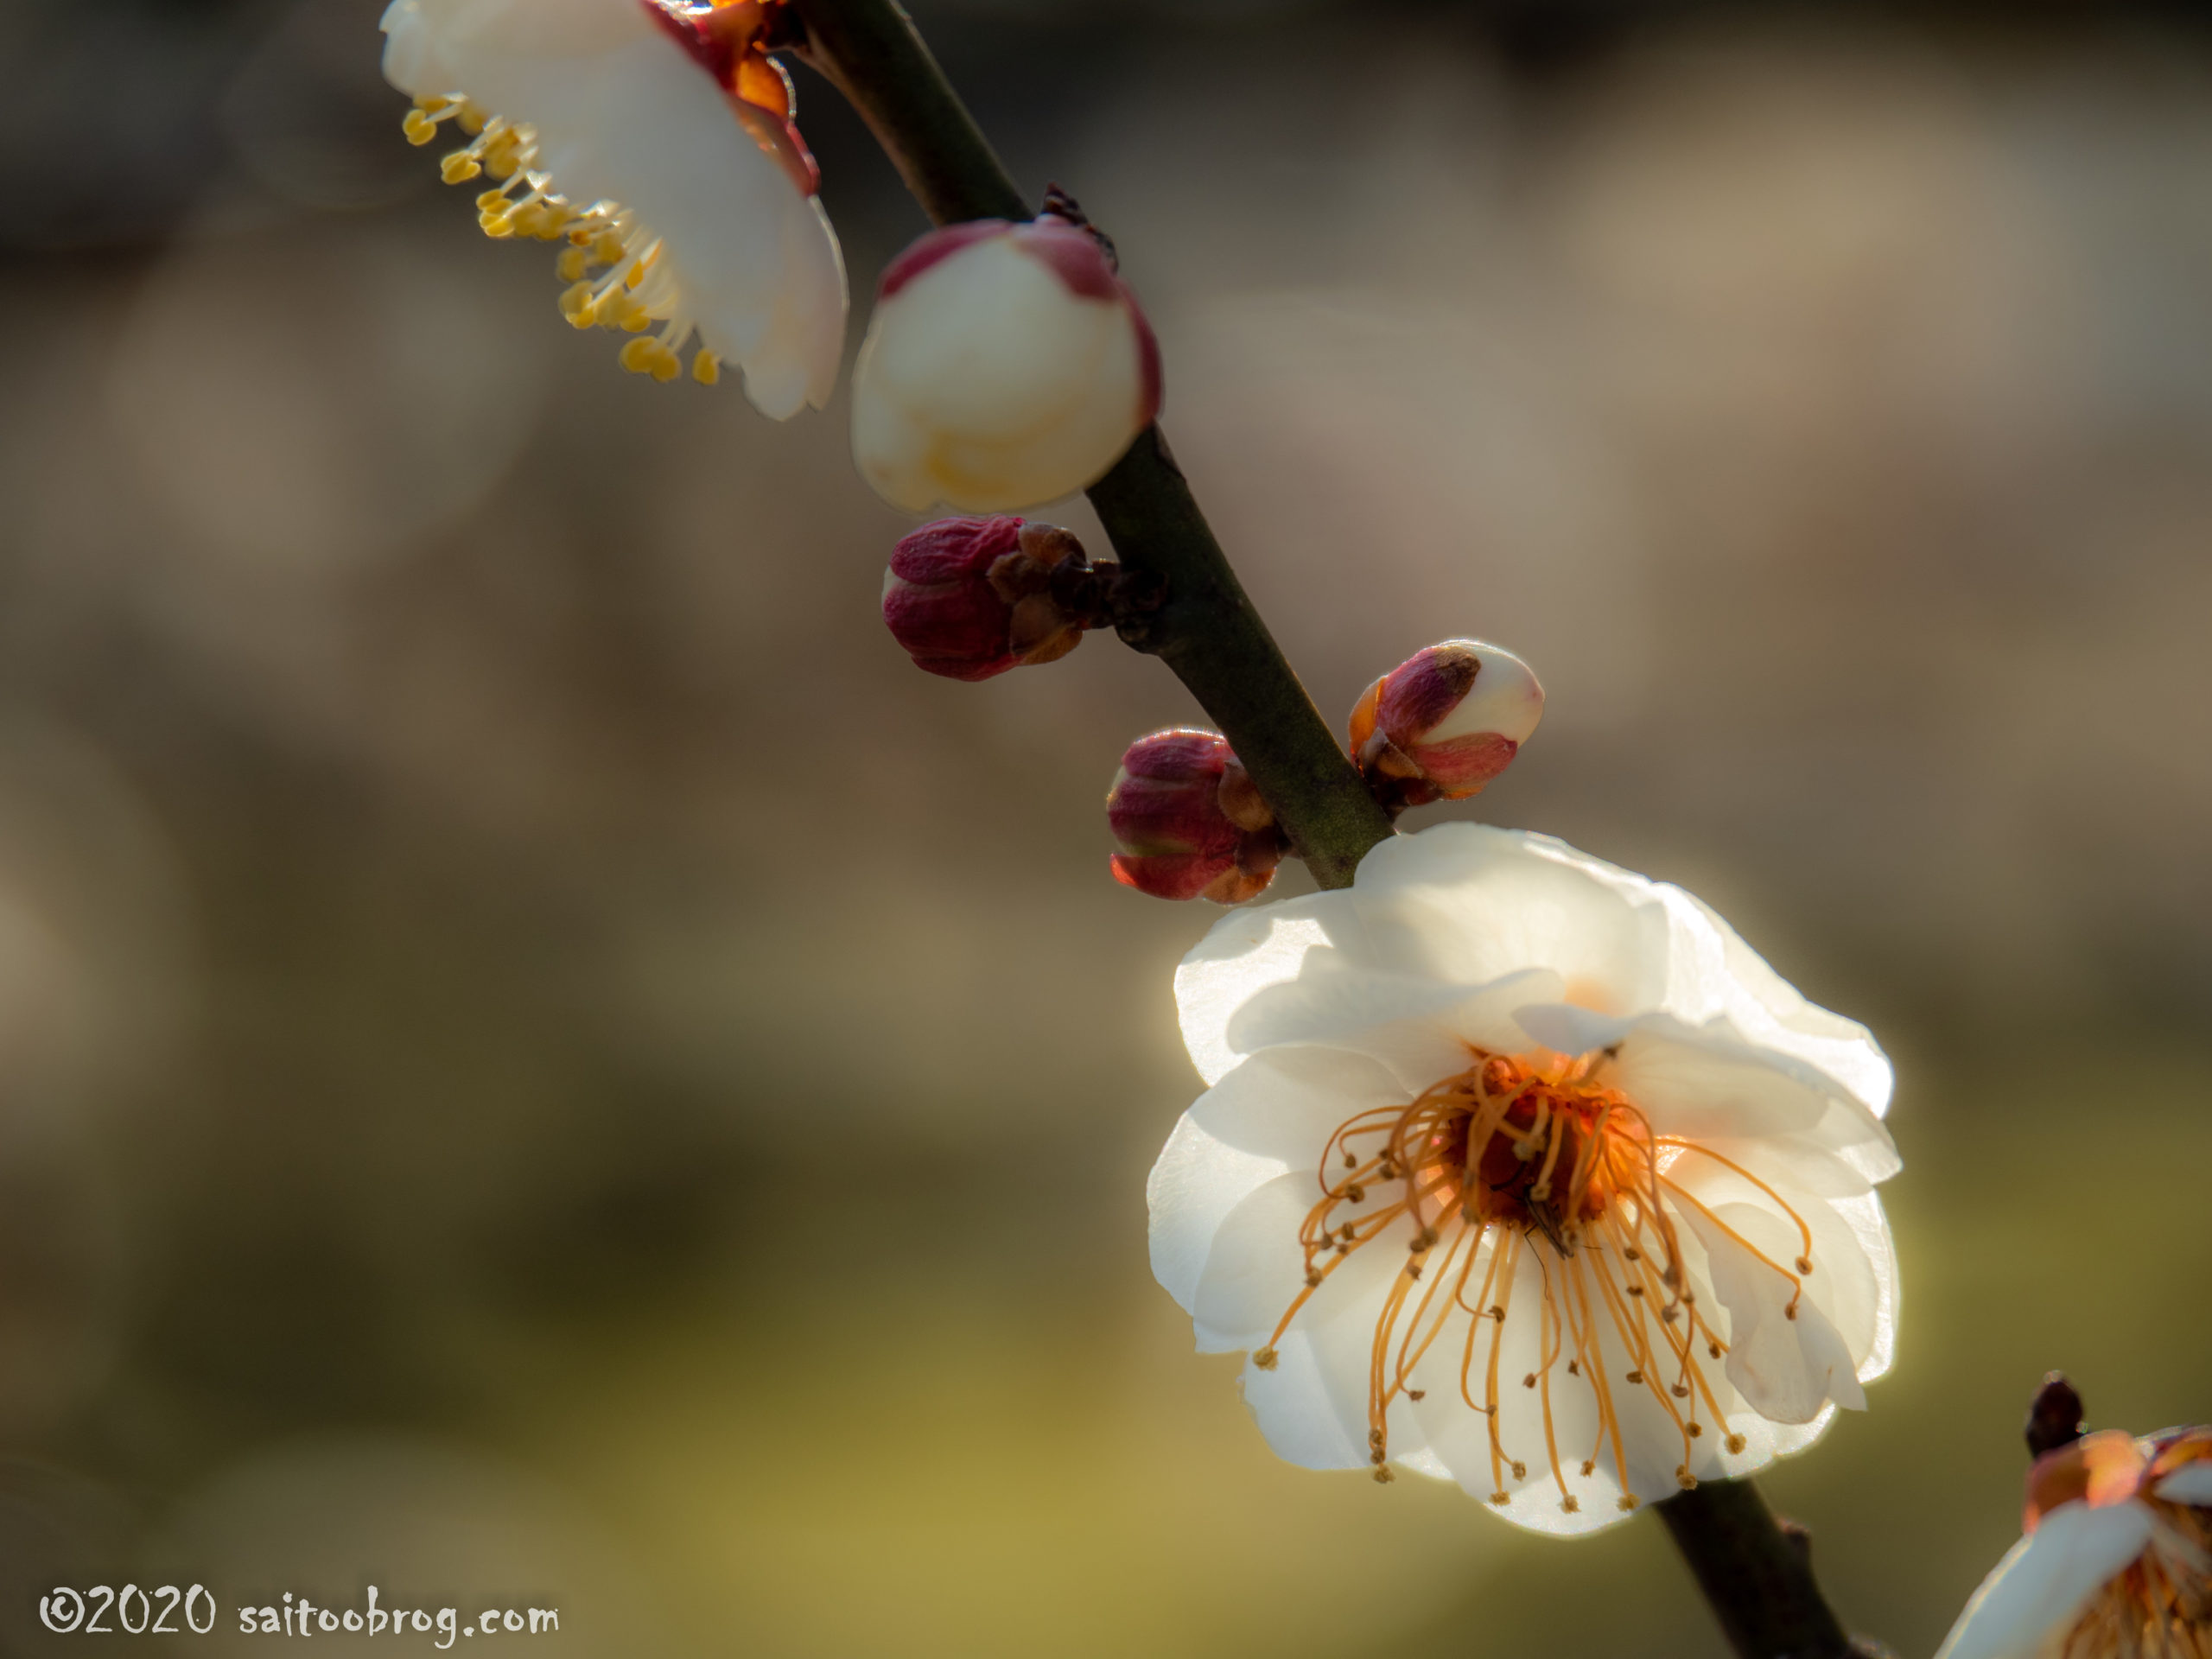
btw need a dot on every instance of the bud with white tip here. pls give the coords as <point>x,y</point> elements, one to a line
<point>1190,822</point>
<point>1005,365</point>
<point>1445,722</point>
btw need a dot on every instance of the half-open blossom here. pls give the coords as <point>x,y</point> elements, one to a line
<point>2117,1559</point>
<point>1445,722</point>
<point>654,140</point>
<point>1190,822</point>
<point>1522,1170</point>
<point>1005,365</point>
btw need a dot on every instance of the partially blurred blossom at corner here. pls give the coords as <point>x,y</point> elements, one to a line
<point>1005,365</point>
<point>2116,1562</point>
<point>657,145</point>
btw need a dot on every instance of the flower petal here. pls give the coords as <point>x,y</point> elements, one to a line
<point>2044,1581</point>
<point>1312,1405</point>
<point>1269,1117</point>
<point>1787,1368</point>
<point>2191,1483</point>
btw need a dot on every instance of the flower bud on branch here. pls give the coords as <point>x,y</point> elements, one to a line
<point>1007,365</point>
<point>969,598</point>
<point>1444,722</point>
<point>1190,822</point>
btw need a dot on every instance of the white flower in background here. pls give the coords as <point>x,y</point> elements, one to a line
<point>656,142</point>
<point>1521,1170</point>
<point>2117,1562</point>
<point>1005,365</point>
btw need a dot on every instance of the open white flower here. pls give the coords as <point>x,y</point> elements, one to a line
<point>2117,1562</point>
<point>1521,1170</point>
<point>656,141</point>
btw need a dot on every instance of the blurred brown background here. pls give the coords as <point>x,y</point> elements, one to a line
<point>540,1062</point>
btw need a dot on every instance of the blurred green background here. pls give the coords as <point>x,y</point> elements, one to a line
<point>542,1064</point>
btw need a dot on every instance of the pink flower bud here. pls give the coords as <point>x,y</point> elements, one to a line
<point>1007,365</point>
<point>969,598</point>
<point>1190,822</point>
<point>1445,722</point>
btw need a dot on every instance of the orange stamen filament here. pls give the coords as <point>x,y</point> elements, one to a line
<point>1470,1174</point>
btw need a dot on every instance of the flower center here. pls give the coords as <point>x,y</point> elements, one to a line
<point>1516,1155</point>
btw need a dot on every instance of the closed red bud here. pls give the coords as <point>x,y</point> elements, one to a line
<point>1446,720</point>
<point>1190,823</point>
<point>969,598</point>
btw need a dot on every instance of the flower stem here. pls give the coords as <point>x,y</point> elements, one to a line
<point>1757,1578</point>
<point>1205,629</point>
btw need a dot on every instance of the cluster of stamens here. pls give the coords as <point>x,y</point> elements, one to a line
<point>1509,1158</point>
<point>617,277</point>
<point>2160,1606</point>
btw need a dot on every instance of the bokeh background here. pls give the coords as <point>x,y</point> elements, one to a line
<point>542,1064</point>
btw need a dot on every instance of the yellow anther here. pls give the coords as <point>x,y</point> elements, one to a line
<point>434,105</point>
<point>638,356</point>
<point>459,168</point>
<point>608,248</point>
<point>491,201</point>
<point>419,128</point>
<point>706,368</point>
<point>576,306</point>
<point>666,366</point>
<point>571,266</point>
<point>473,120</point>
<point>502,163</point>
<point>499,227</point>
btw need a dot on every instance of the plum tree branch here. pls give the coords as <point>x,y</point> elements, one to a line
<point>1758,1576</point>
<point>1205,629</point>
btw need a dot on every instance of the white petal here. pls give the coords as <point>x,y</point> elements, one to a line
<point>2045,1581</point>
<point>1312,1405</point>
<point>1458,904</point>
<point>622,114</point>
<point>1786,1367</point>
<point>1713,973</point>
<point>1271,1116</point>
<point>1422,1030</point>
<point>2190,1484</point>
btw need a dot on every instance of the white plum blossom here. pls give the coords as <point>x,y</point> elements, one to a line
<point>1521,1170</point>
<point>655,142</point>
<point>2117,1559</point>
<point>1005,365</point>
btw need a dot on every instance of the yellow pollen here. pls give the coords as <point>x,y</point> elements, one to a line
<point>635,290</point>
